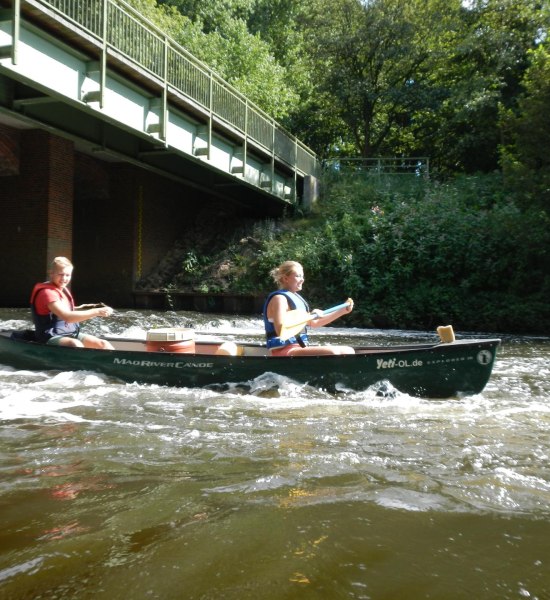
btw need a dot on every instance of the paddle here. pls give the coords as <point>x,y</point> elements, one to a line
<point>89,306</point>
<point>295,320</point>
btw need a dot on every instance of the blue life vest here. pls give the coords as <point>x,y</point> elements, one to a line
<point>50,325</point>
<point>294,301</point>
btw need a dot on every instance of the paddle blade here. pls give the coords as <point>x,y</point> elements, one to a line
<point>295,321</point>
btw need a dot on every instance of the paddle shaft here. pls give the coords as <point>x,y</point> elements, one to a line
<point>295,320</point>
<point>334,308</point>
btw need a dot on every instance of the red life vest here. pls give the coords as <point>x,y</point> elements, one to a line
<point>49,324</point>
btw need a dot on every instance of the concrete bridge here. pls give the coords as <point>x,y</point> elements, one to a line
<point>115,141</point>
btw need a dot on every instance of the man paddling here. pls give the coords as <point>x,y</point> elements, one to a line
<point>56,318</point>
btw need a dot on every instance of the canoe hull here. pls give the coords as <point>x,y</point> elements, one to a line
<point>424,370</point>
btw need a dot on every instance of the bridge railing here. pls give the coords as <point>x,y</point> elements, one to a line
<point>415,166</point>
<point>116,25</point>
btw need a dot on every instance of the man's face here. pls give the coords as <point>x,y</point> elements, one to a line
<point>61,276</point>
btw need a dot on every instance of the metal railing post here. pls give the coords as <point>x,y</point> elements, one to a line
<point>211,112</point>
<point>164,107</point>
<point>15,28</point>
<point>103,62</point>
<point>245,141</point>
<point>295,184</point>
<point>273,130</point>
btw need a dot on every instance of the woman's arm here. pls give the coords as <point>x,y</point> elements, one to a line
<point>323,320</point>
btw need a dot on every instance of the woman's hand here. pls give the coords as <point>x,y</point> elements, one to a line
<point>320,319</point>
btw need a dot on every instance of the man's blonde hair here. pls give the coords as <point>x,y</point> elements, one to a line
<point>60,262</point>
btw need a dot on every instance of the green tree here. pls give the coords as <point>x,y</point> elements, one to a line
<point>166,18</point>
<point>482,72</point>
<point>526,156</point>
<point>240,57</point>
<point>212,15</point>
<point>417,77</point>
<point>372,63</point>
<point>374,77</point>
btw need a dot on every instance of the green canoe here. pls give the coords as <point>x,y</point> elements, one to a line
<point>438,370</point>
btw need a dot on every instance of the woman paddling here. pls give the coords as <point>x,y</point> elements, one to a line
<point>289,276</point>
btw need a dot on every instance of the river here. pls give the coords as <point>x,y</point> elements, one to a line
<point>273,490</point>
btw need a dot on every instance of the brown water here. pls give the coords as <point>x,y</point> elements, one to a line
<point>273,490</point>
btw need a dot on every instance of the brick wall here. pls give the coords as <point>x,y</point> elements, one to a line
<point>9,151</point>
<point>103,232</point>
<point>59,173</point>
<point>37,213</point>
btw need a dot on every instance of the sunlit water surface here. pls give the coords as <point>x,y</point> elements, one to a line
<point>273,490</point>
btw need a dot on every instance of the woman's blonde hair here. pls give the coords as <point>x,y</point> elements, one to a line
<point>284,269</point>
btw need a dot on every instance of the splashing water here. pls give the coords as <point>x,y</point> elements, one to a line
<point>271,488</point>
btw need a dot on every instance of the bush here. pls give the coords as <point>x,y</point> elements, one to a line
<point>421,255</point>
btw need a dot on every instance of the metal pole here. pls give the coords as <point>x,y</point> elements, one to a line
<point>164,108</point>
<point>245,144</point>
<point>210,116</point>
<point>15,27</point>
<point>139,269</point>
<point>103,70</point>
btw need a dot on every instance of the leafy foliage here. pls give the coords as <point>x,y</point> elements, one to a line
<point>373,60</point>
<point>216,33</point>
<point>421,254</point>
<point>526,158</point>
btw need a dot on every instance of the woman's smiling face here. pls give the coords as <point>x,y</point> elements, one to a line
<point>293,281</point>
